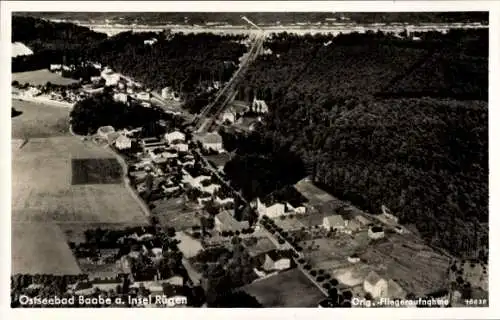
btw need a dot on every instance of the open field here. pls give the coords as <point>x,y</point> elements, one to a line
<point>41,77</point>
<point>287,289</point>
<point>45,204</point>
<point>41,248</point>
<point>39,120</point>
<point>42,189</point>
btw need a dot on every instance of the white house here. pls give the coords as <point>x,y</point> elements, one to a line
<point>210,188</point>
<point>381,288</point>
<point>335,222</point>
<point>175,136</point>
<point>95,78</point>
<point>376,232</point>
<point>222,202</point>
<point>55,67</point>
<point>276,261</point>
<point>120,97</point>
<point>150,42</point>
<point>145,96</point>
<point>353,259</point>
<point>273,211</point>
<point>300,210</point>
<point>228,116</point>
<point>110,77</point>
<point>259,106</point>
<point>210,141</point>
<point>375,285</point>
<point>122,142</point>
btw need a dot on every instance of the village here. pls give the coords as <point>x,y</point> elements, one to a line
<point>298,246</point>
<point>300,237</point>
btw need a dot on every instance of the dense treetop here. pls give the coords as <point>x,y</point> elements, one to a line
<point>379,120</point>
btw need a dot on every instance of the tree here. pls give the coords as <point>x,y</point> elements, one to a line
<point>171,232</point>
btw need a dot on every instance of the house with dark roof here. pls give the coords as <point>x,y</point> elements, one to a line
<point>277,260</point>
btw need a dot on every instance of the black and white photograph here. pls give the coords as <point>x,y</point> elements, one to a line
<point>249,159</point>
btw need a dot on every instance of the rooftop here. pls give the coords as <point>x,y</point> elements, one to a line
<point>335,220</point>
<point>373,278</point>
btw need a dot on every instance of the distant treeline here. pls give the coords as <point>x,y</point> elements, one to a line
<point>185,62</point>
<point>234,18</point>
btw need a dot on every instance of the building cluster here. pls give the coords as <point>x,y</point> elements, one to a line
<point>132,264</point>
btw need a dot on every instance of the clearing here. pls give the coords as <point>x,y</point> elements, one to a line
<point>41,77</point>
<point>39,120</point>
<point>290,289</point>
<point>44,201</point>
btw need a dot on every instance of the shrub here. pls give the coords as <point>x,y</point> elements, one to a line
<point>320,279</point>
<point>301,261</point>
<point>307,267</point>
<point>313,273</point>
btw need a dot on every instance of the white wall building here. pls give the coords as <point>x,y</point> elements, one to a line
<point>122,142</point>
<point>275,261</point>
<point>120,97</point>
<point>175,136</point>
<point>335,222</point>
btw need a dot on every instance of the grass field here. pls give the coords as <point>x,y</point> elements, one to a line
<point>39,120</point>
<point>287,289</point>
<point>41,77</point>
<point>41,248</point>
<point>45,204</point>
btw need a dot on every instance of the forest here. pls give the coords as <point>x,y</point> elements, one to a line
<point>101,110</point>
<point>189,63</point>
<point>379,120</point>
